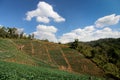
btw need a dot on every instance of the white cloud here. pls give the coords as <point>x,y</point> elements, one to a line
<point>1,25</point>
<point>107,20</point>
<point>46,32</point>
<point>43,19</point>
<point>44,13</point>
<point>89,33</point>
<point>20,30</point>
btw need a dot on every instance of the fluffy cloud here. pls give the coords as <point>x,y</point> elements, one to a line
<point>20,30</point>
<point>107,20</point>
<point>44,13</point>
<point>106,33</point>
<point>89,33</point>
<point>99,30</point>
<point>46,32</point>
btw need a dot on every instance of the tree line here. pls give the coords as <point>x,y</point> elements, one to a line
<point>13,33</point>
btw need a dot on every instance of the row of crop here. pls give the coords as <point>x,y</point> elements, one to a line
<point>40,51</point>
<point>13,71</point>
<point>56,55</point>
<point>26,43</point>
<point>80,64</point>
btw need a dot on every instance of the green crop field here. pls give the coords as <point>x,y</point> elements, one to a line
<point>14,71</point>
<point>39,60</point>
<point>10,53</point>
<point>80,64</point>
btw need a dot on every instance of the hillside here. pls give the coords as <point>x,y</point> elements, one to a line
<point>47,55</point>
<point>59,56</point>
<point>10,52</point>
<point>105,53</point>
<point>13,71</point>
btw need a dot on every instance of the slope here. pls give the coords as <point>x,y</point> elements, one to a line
<point>40,56</point>
<point>13,71</point>
<point>59,56</point>
<point>10,52</point>
<point>105,53</point>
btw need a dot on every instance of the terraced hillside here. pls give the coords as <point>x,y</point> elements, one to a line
<point>13,71</point>
<point>10,52</point>
<point>80,64</point>
<point>58,56</point>
<point>44,60</point>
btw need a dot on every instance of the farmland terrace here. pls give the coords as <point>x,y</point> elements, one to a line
<point>48,55</point>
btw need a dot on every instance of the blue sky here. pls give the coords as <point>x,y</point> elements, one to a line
<point>63,20</point>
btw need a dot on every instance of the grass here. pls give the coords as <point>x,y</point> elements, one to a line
<point>9,52</point>
<point>39,56</point>
<point>14,71</point>
<point>80,64</point>
<point>57,57</point>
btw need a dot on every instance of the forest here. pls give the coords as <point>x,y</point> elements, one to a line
<point>104,52</point>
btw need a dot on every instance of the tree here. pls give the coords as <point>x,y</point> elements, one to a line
<point>112,55</point>
<point>32,37</point>
<point>3,32</point>
<point>12,32</point>
<point>74,45</point>
<point>21,35</point>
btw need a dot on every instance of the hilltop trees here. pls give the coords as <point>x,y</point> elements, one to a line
<point>13,33</point>
<point>3,32</point>
<point>8,32</point>
<point>74,45</point>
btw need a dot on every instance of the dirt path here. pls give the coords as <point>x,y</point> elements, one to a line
<point>50,59</point>
<point>32,48</point>
<point>48,54</point>
<point>66,60</point>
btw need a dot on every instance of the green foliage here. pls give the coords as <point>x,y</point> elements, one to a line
<point>3,32</point>
<point>74,45</point>
<point>13,71</point>
<point>81,64</point>
<point>105,53</point>
<point>31,36</point>
<point>8,32</point>
<point>13,33</point>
